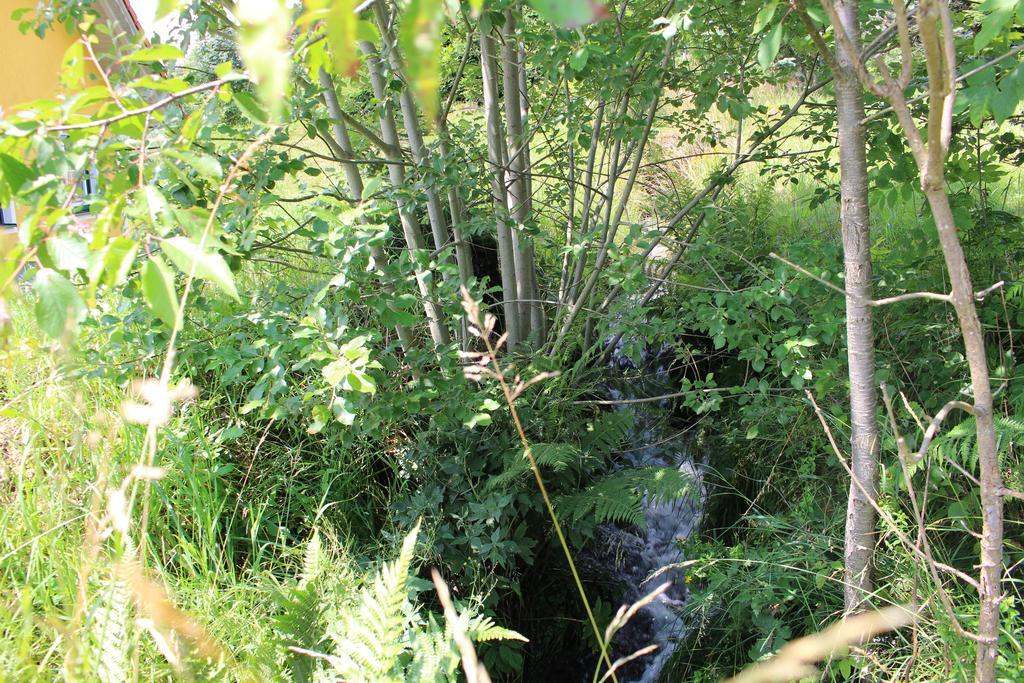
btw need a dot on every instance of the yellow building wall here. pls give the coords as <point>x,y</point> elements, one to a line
<point>29,65</point>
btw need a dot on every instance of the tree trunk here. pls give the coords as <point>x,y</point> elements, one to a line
<point>496,160</point>
<point>988,455</point>
<point>519,198</point>
<point>538,318</point>
<point>354,180</point>
<point>410,118</point>
<point>516,190</point>
<point>860,343</point>
<point>410,226</point>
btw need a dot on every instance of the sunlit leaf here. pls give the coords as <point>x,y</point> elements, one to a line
<point>252,110</point>
<point>118,260</point>
<point>158,290</point>
<point>769,46</point>
<point>764,17</point>
<point>206,265</point>
<point>157,53</point>
<point>419,38</point>
<point>58,307</point>
<point>68,252</point>
<point>263,47</point>
<point>205,165</point>
<point>571,13</point>
<point>999,13</point>
<point>340,26</point>
<point>72,69</point>
<point>13,174</point>
<point>165,7</point>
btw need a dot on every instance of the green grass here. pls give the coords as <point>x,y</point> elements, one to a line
<point>63,445</point>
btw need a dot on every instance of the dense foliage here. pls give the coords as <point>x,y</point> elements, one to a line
<point>250,368</point>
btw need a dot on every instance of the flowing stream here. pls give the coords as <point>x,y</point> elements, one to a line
<point>640,560</point>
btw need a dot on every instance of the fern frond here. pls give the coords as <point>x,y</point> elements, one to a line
<point>619,497</point>
<point>312,559</point>
<point>372,642</point>
<point>609,432</point>
<point>482,629</point>
<point>435,657</point>
<point>108,633</point>
<point>613,499</point>
<point>300,621</point>
<point>556,457</point>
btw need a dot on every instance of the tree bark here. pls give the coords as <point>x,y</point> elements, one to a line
<point>496,160</point>
<point>410,118</point>
<point>860,344</point>
<point>406,215</point>
<point>354,180</point>
<point>519,197</point>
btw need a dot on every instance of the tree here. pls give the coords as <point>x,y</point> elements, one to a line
<point>930,150</point>
<point>860,341</point>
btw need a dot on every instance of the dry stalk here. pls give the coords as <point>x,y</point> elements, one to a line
<point>797,659</point>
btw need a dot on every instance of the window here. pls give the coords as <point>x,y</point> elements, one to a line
<point>7,216</point>
<point>85,191</point>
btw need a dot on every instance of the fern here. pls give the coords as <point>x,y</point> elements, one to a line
<point>372,642</point>
<point>379,636</point>
<point>556,457</point>
<point>300,620</point>
<point>108,633</point>
<point>959,442</point>
<point>483,629</point>
<point>619,497</point>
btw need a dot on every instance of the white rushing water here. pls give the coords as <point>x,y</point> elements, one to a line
<point>641,560</point>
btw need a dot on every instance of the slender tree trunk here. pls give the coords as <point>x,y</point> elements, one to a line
<point>406,214</point>
<point>587,201</point>
<point>410,118</point>
<point>354,180</point>
<point>988,456</point>
<point>520,189</point>
<point>940,59</point>
<point>496,160</point>
<point>614,220</point>
<point>463,254</point>
<point>856,228</point>
<point>516,190</point>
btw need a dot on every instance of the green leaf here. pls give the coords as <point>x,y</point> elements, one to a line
<point>1006,98</point>
<point>263,46</point>
<point>371,187</point>
<point>69,253</point>
<point>58,305</point>
<point>157,53</point>
<point>165,7</point>
<point>158,290</point>
<point>342,413</point>
<point>769,46</point>
<point>578,60</point>
<point>340,27</point>
<point>249,107</point>
<point>204,164</point>
<point>764,17</point>
<point>999,14</point>
<point>206,265</point>
<point>571,13</point>
<point>13,174</point>
<point>478,420</point>
<point>118,260</point>
<point>72,69</point>
<point>419,36</point>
